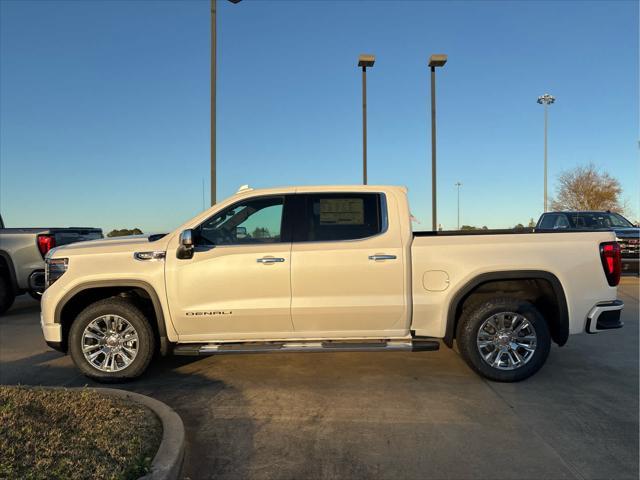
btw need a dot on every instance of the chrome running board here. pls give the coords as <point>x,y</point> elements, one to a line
<point>308,346</point>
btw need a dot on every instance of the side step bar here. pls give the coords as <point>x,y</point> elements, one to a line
<point>420,345</point>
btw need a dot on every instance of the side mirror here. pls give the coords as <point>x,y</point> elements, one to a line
<point>241,233</point>
<point>185,249</point>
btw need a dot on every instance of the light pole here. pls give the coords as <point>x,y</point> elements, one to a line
<point>364,61</point>
<point>213,98</point>
<point>545,100</point>
<point>434,61</point>
<point>458,185</point>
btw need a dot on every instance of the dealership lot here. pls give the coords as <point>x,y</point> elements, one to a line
<point>383,415</point>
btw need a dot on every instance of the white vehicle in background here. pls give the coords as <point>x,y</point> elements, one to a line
<point>327,269</point>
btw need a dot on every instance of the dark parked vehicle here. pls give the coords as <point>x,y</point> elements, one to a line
<point>627,234</point>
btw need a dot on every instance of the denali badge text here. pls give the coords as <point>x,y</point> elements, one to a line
<point>209,313</point>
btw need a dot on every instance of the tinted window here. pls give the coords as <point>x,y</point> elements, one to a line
<point>561,222</point>
<point>598,221</point>
<point>253,221</point>
<point>339,216</point>
<point>618,220</point>
<point>548,221</point>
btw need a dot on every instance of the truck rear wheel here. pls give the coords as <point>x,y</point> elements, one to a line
<point>111,341</point>
<point>6,294</point>
<point>504,339</point>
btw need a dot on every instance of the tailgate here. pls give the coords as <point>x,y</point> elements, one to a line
<point>72,235</point>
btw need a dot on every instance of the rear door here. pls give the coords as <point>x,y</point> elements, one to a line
<point>346,267</point>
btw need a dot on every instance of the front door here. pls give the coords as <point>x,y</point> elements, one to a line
<point>237,285</point>
<point>347,272</point>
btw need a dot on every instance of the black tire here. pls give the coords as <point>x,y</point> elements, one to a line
<point>7,295</point>
<point>467,334</point>
<point>135,317</point>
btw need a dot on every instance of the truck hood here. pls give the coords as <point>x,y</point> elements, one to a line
<point>631,232</point>
<point>110,245</point>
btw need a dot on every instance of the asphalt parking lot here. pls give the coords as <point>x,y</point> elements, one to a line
<point>382,415</point>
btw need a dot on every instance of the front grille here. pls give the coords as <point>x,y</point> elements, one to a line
<point>629,247</point>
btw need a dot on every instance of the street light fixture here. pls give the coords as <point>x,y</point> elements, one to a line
<point>213,98</point>
<point>458,185</point>
<point>545,100</point>
<point>365,61</point>
<point>437,60</point>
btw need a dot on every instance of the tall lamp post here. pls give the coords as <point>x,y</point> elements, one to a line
<point>213,98</point>
<point>364,61</point>
<point>458,185</point>
<point>545,100</point>
<point>434,61</point>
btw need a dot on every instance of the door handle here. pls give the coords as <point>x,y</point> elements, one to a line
<point>382,257</point>
<point>268,260</point>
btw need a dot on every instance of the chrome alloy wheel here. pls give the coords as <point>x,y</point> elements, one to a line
<point>506,341</point>
<point>110,343</point>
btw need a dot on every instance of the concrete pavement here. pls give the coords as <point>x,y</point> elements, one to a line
<point>382,415</point>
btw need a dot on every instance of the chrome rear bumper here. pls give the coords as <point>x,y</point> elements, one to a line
<point>605,316</point>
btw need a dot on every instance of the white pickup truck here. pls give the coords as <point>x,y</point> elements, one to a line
<point>327,269</point>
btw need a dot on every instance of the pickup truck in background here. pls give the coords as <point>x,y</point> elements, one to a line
<point>327,269</point>
<point>22,252</point>
<point>627,234</point>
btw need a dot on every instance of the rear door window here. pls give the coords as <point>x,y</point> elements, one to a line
<point>340,216</point>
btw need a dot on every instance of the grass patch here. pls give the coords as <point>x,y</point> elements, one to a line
<point>74,434</point>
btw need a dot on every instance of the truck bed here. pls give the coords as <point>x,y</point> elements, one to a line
<point>499,231</point>
<point>443,262</point>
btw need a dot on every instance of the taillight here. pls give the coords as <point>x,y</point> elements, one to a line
<point>45,243</point>
<point>611,262</point>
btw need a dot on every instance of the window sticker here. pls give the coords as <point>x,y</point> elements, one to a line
<point>341,211</point>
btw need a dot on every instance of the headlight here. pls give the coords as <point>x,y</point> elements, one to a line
<point>55,268</point>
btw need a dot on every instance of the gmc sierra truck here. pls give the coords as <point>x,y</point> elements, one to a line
<point>22,252</point>
<point>327,269</point>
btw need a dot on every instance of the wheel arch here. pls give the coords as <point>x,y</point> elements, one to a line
<point>82,295</point>
<point>553,301</point>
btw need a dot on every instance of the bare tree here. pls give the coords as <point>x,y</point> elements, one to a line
<point>585,188</point>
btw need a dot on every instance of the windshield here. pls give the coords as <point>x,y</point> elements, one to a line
<point>599,220</point>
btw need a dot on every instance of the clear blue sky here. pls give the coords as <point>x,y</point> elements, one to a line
<point>105,105</point>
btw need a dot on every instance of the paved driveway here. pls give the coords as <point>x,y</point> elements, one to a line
<point>382,415</point>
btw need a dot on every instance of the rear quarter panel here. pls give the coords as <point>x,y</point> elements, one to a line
<point>573,258</point>
<point>21,247</point>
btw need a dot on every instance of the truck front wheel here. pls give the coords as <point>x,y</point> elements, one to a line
<point>111,341</point>
<point>503,339</point>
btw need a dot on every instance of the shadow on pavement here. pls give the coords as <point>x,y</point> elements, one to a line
<point>383,415</point>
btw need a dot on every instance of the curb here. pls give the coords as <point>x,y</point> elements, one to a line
<point>167,464</point>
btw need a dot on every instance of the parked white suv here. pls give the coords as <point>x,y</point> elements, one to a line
<point>327,269</point>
